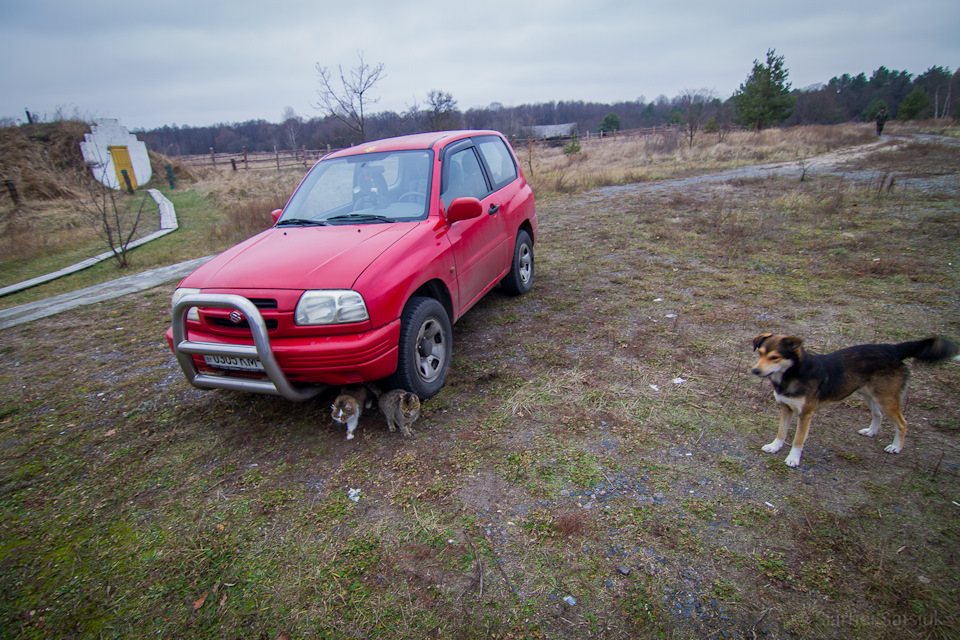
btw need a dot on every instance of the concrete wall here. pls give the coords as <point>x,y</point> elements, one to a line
<point>95,148</point>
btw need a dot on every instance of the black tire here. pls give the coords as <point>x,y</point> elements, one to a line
<point>426,345</point>
<point>520,278</point>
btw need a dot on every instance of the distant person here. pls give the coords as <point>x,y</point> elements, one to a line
<point>881,119</point>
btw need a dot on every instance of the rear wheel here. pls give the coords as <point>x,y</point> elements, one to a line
<point>426,345</point>
<point>520,278</point>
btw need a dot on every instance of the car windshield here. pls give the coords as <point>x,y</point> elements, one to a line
<point>371,188</point>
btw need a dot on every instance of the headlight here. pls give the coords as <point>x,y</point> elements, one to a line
<point>331,307</point>
<point>193,314</point>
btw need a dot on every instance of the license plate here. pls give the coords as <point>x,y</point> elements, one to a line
<point>236,364</point>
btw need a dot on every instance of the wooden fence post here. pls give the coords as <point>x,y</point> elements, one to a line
<point>126,179</point>
<point>277,154</point>
<point>213,158</point>
<point>12,188</point>
<point>245,165</point>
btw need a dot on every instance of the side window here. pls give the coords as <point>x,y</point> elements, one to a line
<point>463,177</point>
<point>499,161</point>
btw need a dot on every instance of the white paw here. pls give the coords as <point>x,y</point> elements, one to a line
<point>349,436</point>
<point>868,432</point>
<point>793,460</point>
<point>773,447</point>
<point>893,448</point>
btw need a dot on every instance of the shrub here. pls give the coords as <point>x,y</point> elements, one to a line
<point>610,123</point>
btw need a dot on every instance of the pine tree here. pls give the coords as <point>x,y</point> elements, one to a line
<point>764,98</point>
<point>914,105</point>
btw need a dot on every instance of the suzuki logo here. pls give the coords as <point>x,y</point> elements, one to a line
<point>236,317</point>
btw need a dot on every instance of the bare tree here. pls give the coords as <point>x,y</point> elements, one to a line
<point>694,105</point>
<point>346,95</point>
<point>292,128</point>
<point>441,110</point>
<point>113,216</point>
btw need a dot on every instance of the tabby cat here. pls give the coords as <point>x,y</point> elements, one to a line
<point>400,408</point>
<point>349,405</point>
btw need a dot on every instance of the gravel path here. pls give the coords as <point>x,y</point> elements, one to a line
<point>97,293</point>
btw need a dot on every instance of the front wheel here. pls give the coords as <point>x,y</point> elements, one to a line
<point>520,278</point>
<point>426,345</point>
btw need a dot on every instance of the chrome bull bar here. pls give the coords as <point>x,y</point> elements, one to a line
<point>276,384</point>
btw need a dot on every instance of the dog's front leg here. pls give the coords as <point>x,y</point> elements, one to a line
<point>786,415</point>
<point>803,428</point>
<point>875,413</point>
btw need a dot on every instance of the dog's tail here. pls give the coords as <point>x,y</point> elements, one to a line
<point>932,349</point>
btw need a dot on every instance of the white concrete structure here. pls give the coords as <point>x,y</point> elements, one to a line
<point>544,131</point>
<point>109,149</point>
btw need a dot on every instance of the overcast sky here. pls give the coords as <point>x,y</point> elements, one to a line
<point>202,62</point>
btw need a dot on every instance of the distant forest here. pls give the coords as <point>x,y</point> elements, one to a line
<point>933,94</point>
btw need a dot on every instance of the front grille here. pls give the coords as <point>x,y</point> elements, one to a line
<point>262,304</point>
<point>226,323</point>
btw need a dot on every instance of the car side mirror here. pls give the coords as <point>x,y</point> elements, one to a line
<point>275,214</point>
<point>464,209</point>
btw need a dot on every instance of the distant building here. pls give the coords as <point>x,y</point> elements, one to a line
<point>110,149</point>
<point>546,131</point>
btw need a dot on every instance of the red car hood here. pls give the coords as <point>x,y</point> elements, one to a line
<point>299,258</point>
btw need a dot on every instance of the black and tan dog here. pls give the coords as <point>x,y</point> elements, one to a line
<point>804,382</point>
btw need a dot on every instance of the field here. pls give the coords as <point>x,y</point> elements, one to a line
<point>592,468</point>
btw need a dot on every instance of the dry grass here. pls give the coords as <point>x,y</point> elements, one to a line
<point>43,159</point>
<point>246,200</point>
<point>625,160</point>
<point>45,165</point>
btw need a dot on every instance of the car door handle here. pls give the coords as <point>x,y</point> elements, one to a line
<point>493,209</point>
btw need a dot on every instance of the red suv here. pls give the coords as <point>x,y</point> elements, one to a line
<point>379,250</point>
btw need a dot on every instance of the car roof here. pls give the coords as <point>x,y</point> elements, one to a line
<point>430,140</point>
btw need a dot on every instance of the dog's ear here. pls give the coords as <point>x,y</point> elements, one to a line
<point>792,342</point>
<point>760,339</point>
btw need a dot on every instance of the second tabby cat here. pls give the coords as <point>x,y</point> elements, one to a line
<point>401,409</point>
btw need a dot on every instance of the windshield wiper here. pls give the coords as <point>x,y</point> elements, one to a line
<point>301,222</point>
<point>361,217</point>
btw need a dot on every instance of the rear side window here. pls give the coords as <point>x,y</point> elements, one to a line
<point>498,159</point>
